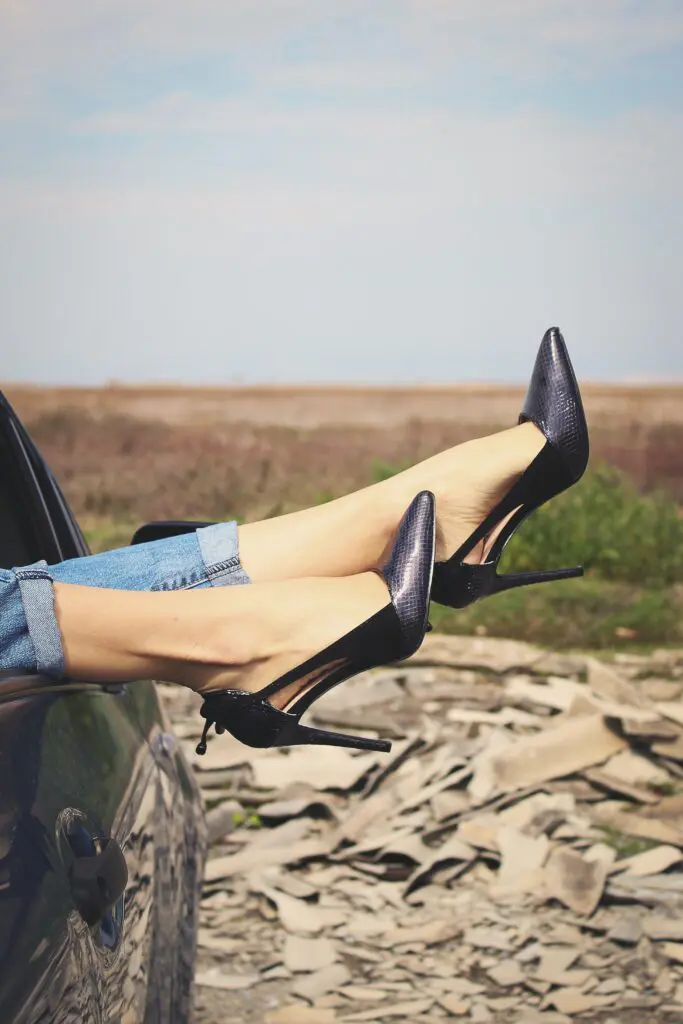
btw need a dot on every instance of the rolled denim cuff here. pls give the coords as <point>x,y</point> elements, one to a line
<point>38,599</point>
<point>219,546</point>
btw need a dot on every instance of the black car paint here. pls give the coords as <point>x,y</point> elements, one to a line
<point>86,769</point>
<point>162,528</point>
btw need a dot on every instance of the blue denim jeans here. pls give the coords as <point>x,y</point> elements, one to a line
<point>30,639</point>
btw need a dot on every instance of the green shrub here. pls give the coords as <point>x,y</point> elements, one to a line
<point>584,613</point>
<point>381,470</point>
<point>604,524</point>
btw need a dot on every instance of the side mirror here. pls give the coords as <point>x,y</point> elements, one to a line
<point>163,528</point>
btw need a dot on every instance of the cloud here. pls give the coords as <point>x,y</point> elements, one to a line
<point>532,37</point>
<point>612,29</point>
<point>293,190</point>
<point>51,50</point>
<point>412,247</point>
<point>350,77</point>
<point>530,153</point>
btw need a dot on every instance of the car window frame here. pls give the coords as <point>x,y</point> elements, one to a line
<point>70,537</point>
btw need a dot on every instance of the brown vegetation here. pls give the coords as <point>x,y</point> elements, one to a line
<point>141,453</point>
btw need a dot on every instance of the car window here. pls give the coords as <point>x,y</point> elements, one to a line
<point>71,540</point>
<point>26,533</point>
<point>68,532</point>
<point>18,542</point>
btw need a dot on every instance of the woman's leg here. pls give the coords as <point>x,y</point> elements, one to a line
<point>350,534</point>
<point>240,637</point>
<point>340,538</point>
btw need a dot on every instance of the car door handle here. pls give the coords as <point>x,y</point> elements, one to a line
<point>98,880</point>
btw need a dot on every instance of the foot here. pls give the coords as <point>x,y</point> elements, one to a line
<point>468,481</point>
<point>352,534</point>
<point>302,618</point>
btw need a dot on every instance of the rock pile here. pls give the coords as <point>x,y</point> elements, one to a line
<point>517,857</point>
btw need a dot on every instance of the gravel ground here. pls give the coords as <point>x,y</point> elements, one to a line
<point>516,858</point>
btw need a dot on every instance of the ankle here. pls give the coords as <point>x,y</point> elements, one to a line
<point>295,620</point>
<point>339,538</point>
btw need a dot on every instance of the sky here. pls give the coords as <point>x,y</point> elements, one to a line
<point>399,191</point>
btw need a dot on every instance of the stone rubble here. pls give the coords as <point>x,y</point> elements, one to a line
<point>516,858</point>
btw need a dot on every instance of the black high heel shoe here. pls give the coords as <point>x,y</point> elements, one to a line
<point>391,634</point>
<point>554,404</point>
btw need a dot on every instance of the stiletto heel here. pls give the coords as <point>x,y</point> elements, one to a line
<point>297,735</point>
<point>392,634</point>
<point>553,403</point>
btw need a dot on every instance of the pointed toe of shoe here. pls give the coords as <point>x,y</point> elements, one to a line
<point>553,402</point>
<point>409,570</point>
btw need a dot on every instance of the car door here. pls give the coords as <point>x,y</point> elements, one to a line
<point>94,863</point>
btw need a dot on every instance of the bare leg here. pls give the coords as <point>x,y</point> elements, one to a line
<point>242,637</point>
<point>350,534</point>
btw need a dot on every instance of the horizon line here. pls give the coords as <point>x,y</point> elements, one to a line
<point>326,385</point>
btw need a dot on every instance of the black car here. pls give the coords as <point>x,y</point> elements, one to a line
<point>102,836</point>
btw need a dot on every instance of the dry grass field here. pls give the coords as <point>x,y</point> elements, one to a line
<point>472,405</point>
<point>127,455</point>
<point>261,449</point>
